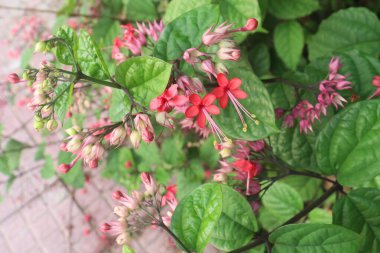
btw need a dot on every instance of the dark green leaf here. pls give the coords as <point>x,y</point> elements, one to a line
<point>353,28</point>
<point>172,150</point>
<point>208,154</point>
<point>314,238</point>
<point>359,211</point>
<point>140,10</point>
<point>189,178</point>
<point>291,9</point>
<point>282,95</point>
<point>259,59</point>
<point>148,157</point>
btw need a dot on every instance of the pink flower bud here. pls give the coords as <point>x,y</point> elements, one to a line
<point>228,54</point>
<point>251,25</point>
<point>105,227</point>
<point>128,164</point>
<point>220,177</point>
<point>87,218</point>
<point>192,55</point>
<point>149,183</point>
<point>117,195</point>
<point>165,119</point>
<point>64,168</point>
<point>13,78</point>
<point>135,139</point>
<point>220,68</point>
<point>93,164</point>
<point>208,68</point>
<point>144,127</point>
<point>117,136</point>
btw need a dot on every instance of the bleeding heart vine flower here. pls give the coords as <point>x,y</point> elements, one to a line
<point>168,100</point>
<point>230,90</point>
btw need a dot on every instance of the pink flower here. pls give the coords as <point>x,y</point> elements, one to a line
<point>202,108</point>
<point>168,100</point>
<point>64,168</point>
<point>211,37</point>
<point>257,146</point>
<point>171,190</point>
<point>131,203</point>
<point>228,54</point>
<point>193,85</point>
<point>149,183</point>
<point>251,25</point>
<point>192,55</point>
<point>118,135</point>
<point>208,67</point>
<point>249,168</point>
<point>14,78</point>
<point>376,83</point>
<point>118,229</point>
<point>144,127</point>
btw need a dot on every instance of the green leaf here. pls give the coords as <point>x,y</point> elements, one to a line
<point>90,58</point>
<point>127,249</point>
<point>291,9</point>
<point>68,7</point>
<point>63,94</point>
<point>348,146</point>
<point>319,215</point>
<point>282,199</point>
<point>48,169</point>
<point>207,153</point>
<point>119,105</point>
<point>189,178</point>
<point>258,102</point>
<point>75,177</point>
<point>106,30</point>
<point>178,7</point>
<point>145,77</point>
<point>196,216</point>
<point>359,211</point>
<point>148,157</point>
<point>172,151</point>
<point>288,42</point>
<point>63,54</point>
<point>238,12</point>
<point>26,56</point>
<point>353,28</point>
<point>259,58</point>
<point>40,153</point>
<point>10,157</point>
<point>236,225</point>
<point>140,10</point>
<point>314,238</point>
<point>282,95</point>
<point>307,187</point>
<point>185,32</point>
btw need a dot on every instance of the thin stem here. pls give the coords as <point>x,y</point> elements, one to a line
<point>95,80</point>
<point>162,225</point>
<point>295,218</point>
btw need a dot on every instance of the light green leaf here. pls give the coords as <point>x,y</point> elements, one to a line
<point>359,211</point>
<point>26,56</point>
<point>48,169</point>
<point>178,7</point>
<point>314,238</point>
<point>63,93</point>
<point>148,157</point>
<point>189,178</point>
<point>319,215</point>
<point>185,32</point>
<point>236,225</point>
<point>145,77</point>
<point>291,9</point>
<point>127,249</point>
<point>90,58</point>
<point>172,151</point>
<point>40,153</point>
<point>10,157</point>
<point>196,216</point>
<point>353,28</point>
<point>68,7</point>
<point>75,177</point>
<point>348,146</point>
<point>140,10</point>
<point>63,54</point>
<point>258,102</point>
<point>119,105</point>
<point>288,42</point>
<point>307,187</point>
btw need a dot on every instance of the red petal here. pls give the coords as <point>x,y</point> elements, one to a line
<point>171,92</point>
<point>201,120</point>
<point>212,109</point>
<point>178,100</point>
<point>195,99</point>
<point>222,80</point>
<point>192,111</point>
<point>219,92</point>
<point>223,101</point>
<point>208,99</point>
<point>234,83</point>
<point>155,103</point>
<point>239,94</point>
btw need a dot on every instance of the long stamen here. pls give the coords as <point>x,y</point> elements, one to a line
<point>215,128</point>
<point>238,105</point>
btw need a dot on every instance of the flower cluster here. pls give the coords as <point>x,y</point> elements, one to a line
<point>134,38</point>
<point>139,210</point>
<point>307,113</point>
<point>376,83</point>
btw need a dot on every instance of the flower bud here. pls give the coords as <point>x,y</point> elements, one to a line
<point>117,136</point>
<point>251,25</point>
<point>192,55</point>
<point>105,227</point>
<point>25,75</point>
<point>38,123</point>
<point>64,168</point>
<point>73,130</point>
<point>220,177</point>
<point>208,68</point>
<point>144,127</point>
<point>225,152</point>
<point>149,183</point>
<point>121,211</point>
<point>135,139</point>
<point>117,195</point>
<point>128,164</point>
<point>164,119</point>
<point>93,164</point>
<point>52,125</point>
<point>40,47</point>
<point>74,144</point>
<point>13,78</point>
<point>221,68</point>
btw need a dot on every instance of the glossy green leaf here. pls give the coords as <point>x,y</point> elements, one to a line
<point>320,216</point>
<point>63,94</point>
<point>196,216</point>
<point>63,54</point>
<point>314,238</point>
<point>90,58</point>
<point>359,211</point>
<point>207,153</point>
<point>258,102</point>
<point>189,178</point>
<point>282,95</point>
<point>10,157</point>
<point>178,7</point>
<point>353,28</point>
<point>48,170</point>
<point>307,187</point>
<point>145,77</point>
<point>236,225</point>
<point>185,32</point>
<point>172,150</point>
<point>238,12</point>
<point>140,10</point>
<point>291,9</point>
<point>119,105</point>
<point>349,146</point>
<point>148,157</point>
<point>289,42</point>
<point>259,58</point>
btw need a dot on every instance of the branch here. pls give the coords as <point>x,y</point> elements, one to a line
<point>162,225</point>
<point>294,219</point>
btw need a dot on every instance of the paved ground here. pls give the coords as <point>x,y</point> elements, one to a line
<point>46,216</point>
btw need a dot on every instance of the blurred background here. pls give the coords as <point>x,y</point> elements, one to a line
<point>40,212</point>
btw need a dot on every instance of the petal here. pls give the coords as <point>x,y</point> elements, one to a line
<point>223,101</point>
<point>178,100</point>
<point>171,92</point>
<point>212,109</point>
<point>195,99</point>
<point>239,94</point>
<point>208,99</point>
<point>201,120</point>
<point>219,92</point>
<point>192,111</point>
<point>155,103</point>
<point>234,83</point>
<point>222,80</point>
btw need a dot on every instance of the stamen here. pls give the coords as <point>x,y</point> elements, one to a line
<point>215,128</point>
<point>238,106</point>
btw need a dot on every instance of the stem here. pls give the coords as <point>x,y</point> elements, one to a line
<point>294,219</point>
<point>95,80</point>
<point>162,225</point>
<point>311,174</point>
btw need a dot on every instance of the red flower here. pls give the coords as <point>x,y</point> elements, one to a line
<point>168,100</point>
<point>228,86</point>
<point>171,190</point>
<point>202,107</point>
<point>246,166</point>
